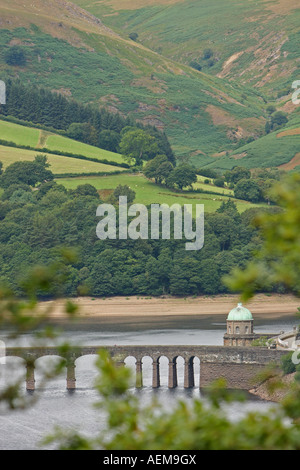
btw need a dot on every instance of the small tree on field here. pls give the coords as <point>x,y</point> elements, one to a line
<point>182,176</point>
<point>124,190</point>
<point>279,118</point>
<point>219,182</point>
<point>159,169</point>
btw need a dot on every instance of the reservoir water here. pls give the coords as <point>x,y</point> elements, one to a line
<point>25,429</point>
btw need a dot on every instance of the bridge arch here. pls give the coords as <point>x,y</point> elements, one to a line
<point>48,368</point>
<point>84,370</point>
<point>134,366</point>
<point>176,371</point>
<point>190,371</point>
<point>163,370</point>
<point>146,369</point>
<point>12,369</point>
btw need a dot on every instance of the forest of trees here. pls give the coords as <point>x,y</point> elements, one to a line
<point>36,223</point>
<point>86,123</point>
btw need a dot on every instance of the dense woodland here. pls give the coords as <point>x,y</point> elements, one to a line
<point>36,223</point>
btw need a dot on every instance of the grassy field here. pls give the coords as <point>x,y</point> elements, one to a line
<point>64,144</point>
<point>32,137</point>
<point>20,135</point>
<point>149,193</point>
<point>58,163</point>
<point>276,149</point>
<point>210,187</point>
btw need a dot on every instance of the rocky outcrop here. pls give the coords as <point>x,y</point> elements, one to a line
<point>265,390</point>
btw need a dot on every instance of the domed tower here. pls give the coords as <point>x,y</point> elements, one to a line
<point>239,327</point>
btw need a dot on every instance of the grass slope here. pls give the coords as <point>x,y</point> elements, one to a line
<point>58,164</point>
<point>149,193</point>
<point>64,144</point>
<point>279,148</point>
<point>18,134</point>
<point>27,136</point>
<point>70,51</point>
<point>255,42</point>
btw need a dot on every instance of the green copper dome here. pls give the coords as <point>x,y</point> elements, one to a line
<point>239,313</point>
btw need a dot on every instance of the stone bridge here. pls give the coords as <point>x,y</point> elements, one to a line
<point>237,365</point>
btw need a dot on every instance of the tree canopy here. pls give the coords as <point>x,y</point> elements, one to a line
<point>137,145</point>
<point>35,223</point>
<point>278,260</point>
<point>182,176</point>
<point>159,169</point>
<point>248,190</point>
<point>236,174</point>
<point>26,172</point>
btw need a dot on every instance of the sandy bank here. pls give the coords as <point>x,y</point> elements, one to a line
<point>261,305</point>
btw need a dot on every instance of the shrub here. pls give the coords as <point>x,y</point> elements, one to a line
<point>15,55</point>
<point>195,65</point>
<point>207,54</point>
<point>287,366</point>
<point>219,182</point>
<point>133,36</point>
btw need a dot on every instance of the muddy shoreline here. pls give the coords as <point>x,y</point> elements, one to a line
<point>135,308</point>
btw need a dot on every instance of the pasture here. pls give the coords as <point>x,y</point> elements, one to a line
<point>18,134</point>
<point>59,164</point>
<point>64,144</point>
<point>36,138</point>
<point>149,193</point>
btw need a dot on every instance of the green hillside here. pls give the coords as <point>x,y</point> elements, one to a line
<point>280,148</point>
<point>259,47</point>
<point>213,117</point>
<point>20,135</point>
<point>59,164</point>
<point>73,53</point>
<point>36,138</point>
<point>65,144</point>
